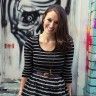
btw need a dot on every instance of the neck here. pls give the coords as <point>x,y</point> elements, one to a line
<point>48,37</point>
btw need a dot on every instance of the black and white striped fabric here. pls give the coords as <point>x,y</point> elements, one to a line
<point>36,59</point>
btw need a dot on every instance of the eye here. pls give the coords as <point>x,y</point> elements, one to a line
<point>49,20</point>
<point>56,22</point>
<point>29,18</point>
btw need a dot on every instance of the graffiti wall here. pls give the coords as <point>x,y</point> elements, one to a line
<point>91,50</point>
<point>19,20</point>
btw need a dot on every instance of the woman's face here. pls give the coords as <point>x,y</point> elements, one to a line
<point>50,22</point>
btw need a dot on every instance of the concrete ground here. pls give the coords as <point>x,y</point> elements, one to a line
<point>9,88</point>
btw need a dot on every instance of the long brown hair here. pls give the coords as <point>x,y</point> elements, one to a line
<point>62,35</point>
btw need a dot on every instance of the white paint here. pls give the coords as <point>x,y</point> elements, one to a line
<point>77,21</point>
<point>77,24</point>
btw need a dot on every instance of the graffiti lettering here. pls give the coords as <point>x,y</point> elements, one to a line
<point>9,45</point>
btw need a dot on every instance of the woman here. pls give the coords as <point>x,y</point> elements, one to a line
<point>48,57</point>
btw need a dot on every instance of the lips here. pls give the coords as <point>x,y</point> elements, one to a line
<point>51,29</point>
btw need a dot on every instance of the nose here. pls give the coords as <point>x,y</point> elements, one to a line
<point>51,24</point>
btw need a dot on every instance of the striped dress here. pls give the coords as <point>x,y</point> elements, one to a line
<point>38,60</point>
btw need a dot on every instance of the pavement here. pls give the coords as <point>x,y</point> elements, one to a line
<point>9,88</point>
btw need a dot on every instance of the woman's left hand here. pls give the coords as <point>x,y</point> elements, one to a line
<point>69,87</point>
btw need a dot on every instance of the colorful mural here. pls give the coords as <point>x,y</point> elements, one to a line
<point>90,89</point>
<point>19,20</point>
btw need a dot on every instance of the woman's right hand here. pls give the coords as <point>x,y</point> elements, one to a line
<point>19,95</point>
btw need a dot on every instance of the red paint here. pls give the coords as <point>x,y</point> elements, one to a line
<point>88,46</point>
<point>9,45</point>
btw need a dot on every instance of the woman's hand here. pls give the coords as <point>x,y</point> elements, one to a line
<point>22,83</point>
<point>69,87</point>
<point>19,94</point>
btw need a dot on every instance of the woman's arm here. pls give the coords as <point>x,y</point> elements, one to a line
<point>22,83</point>
<point>27,71</point>
<point>67,73</point>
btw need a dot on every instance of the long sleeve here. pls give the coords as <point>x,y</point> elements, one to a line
<point>28,58</point>
<point>67,72</point>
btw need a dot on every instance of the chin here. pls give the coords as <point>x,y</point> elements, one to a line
<point>51,31</point>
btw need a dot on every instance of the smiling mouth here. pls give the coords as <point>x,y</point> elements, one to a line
<point>50,29</point>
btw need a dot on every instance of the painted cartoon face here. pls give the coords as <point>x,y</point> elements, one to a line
<point>28,17</point>
<point>50,22</point>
